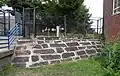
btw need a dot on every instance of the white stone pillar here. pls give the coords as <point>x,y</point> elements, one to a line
<point>58,30</point>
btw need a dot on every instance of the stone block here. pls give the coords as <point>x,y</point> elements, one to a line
<point>94,46</point>
<point>50,57</point>
<point>67,55</point>
<point>76,58</point>
<point>21,59</point>
<point>98,42</point>
<point>40,38</point>
<point>21,65</point>
<point>34,58</point>
<point>44,63</point>
<point>72,44</point>
<point>40,42</point>
<point>20,47</point>
<point>89,47</point>
<point>99,46</point>
<point>54,62</point>
<point>71,48</point>
<point>99,50</point>
<point>91,51</point>
<point>57,45</point>
<point>82,47</point>
<point>81,53</point>
<point>93,43</point>
<point>57,41</point>
<point>83,56</point>
<point>85,43</point>
<point>22,52</point>
<point>39,64</point>
<point>37,46</point>
<point>47,41</point>
<point>45,45</point>
<point>59,50</point>
<point>66,59</point>
<point>23,42</point>
<point>45,51</point>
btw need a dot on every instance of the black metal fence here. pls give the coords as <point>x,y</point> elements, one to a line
<point>46,24</point>
<point>6,21</point>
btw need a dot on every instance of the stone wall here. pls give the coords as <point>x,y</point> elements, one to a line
<point>33,53</point>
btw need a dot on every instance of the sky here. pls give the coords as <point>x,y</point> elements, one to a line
<point>95,7</point>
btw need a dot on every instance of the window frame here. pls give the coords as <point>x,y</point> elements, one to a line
<point>115,8</point>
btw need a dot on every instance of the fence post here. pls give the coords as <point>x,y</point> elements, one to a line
<point>8,40</point>
<point>34,21</point>
<point>65,25</point>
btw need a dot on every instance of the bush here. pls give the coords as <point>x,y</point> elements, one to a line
<point>110,59</point>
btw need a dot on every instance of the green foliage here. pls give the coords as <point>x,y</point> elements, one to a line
<point>110,60</point>
<point>2,2</point>
<point>77,15</point>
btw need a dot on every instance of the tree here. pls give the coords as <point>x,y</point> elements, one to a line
<point>77,15</point>
<point>2,2</point>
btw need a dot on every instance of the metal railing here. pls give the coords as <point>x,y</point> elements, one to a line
<point>12,36</point>
<point>3,42</point>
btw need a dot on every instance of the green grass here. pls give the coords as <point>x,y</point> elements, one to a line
<point>78,68</point>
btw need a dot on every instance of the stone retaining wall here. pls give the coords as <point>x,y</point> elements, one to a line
<point>31,53</point>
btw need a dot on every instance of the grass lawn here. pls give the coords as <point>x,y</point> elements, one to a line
<point>77,68</point>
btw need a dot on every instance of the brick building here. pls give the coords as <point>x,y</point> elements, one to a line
<point>111,19</point>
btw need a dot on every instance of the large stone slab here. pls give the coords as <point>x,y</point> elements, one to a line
<point>37,46</point>
<point>59,41</point>
<point>45,51</point>
<point>81,53</point>
<point>23,42</point>
<point>67,55</point>
<point>82,47</point>
<point>59,50</point>
<point>20,64</point>
<point>71,48</point>
<point>84,56</point>
<point>55,62</point>
<point>50,57</point>
<point>40,42</point>
<point>22,52</point>
<point>45,45</point>
<point>72,44</point>
<point>57,45</point>
<point>35,58</point>
<point>21,59</point>
<point>85,43</point>
<point>20,47</point>
<point>39,64</point>
<point>91,51</point>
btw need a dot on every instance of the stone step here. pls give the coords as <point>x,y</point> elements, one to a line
<point>22,52</point>
<point>47,38</point>
<point>31,53</point>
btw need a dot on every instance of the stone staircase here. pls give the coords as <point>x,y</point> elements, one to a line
<point>51,50</point>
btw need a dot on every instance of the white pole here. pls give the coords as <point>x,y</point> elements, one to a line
<point>58,31</point>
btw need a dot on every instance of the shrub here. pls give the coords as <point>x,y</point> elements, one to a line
<point>110,59</point>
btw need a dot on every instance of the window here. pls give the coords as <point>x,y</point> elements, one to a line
<point>116,6</point>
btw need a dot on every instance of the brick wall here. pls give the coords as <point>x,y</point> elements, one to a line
<point>111,22</point>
